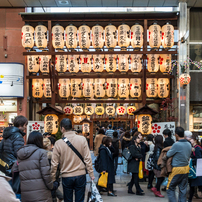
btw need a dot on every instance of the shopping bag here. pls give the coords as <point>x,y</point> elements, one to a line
<point>192,171</point>
<point>165,182</point>
<point>140,174</point>
<point>94,195</point>
<point>102,181</point>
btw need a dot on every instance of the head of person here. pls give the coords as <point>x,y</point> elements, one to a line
<point>179,133</point>
<point>65,125</point>
<point>127,134</point>
<point>110,126</point>
<point>187,135</point>
<point>52,139</point>
<point>114,127</point>
<point>197,50</point>
<point>136,139</point>
<point>47,144</point>
<point>115,134</point>
<point>35,138</point>
<point>107,141</point>
<point>158,141</point>
<point>166,133</point>
<point>150,137</point>
<point>101,131</point>
<point>20,122</point>
<point>194,139</point>
<point>46,134</point>
<point>79,132</point>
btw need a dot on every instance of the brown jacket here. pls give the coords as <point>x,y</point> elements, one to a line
<point>164,163</point>
<point>70,164</point>
<point>97,143</point>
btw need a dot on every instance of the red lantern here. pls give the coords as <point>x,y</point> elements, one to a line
<point>185,79</point>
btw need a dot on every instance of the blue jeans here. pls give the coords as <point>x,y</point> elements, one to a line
<point>125,165</point>
<point>77,183</point>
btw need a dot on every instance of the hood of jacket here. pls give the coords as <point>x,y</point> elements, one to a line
<point>150,143</point>
<point>26,151</point>
<point>9,131</point>
<point>127,139</point>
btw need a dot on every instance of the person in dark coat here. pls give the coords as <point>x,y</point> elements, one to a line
<point>133,166</point>
<point>168,140</point>
<point>107,163</point>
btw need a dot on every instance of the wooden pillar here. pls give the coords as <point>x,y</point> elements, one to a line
<point>91,135</point>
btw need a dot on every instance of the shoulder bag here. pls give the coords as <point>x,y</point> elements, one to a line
<point>126,154</point>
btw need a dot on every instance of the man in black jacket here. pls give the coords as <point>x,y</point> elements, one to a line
<point>168,140</point>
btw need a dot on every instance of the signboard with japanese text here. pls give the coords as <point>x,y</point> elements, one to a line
<point>35,126</point>
<point>158,128</point>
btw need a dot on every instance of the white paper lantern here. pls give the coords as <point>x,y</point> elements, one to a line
<point>155,36</point>
<point>64,88</point>
<point>144,124</point>
<point>33,63</point>
<point>123,90</point>
<point>135,87</point>
<point>110,110</point>
<point>110,36</point>
<point>71,36</point>
<point>41,36</point>
<point>111,88</point>
<point>99,110</point>
<point>151,87</point>
<point>88,87</point>
<point>123,36</point>
<point>86,128</point>
<point>51,123</point>
<point>123,64</point>
<point>84,37</point>
<point>165,63</point>
<point>44,63</point>
<point>78,110</point>
<point>89,110</point>
<point>97,37</point>
<point>68,110</point>
<point>136,63</point>
<point>76,88</point>
<point>47,88</point>
<point>110,63</point>
<point>58,37</point>
<point>163,87</point>
<point>27,36</point>
<point>99,88</point>
<point>168,36</point>
<point>153,62</point>
<point>137,36</point>
<point>85,63</point>
<point>61,63</point>
<point>121,110</point>
<point>98,63</point>
<point>37,88</point>
<point>73,63</point>
<point>130,110</point>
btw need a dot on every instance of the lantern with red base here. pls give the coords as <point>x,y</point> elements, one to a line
<point>27,36</point>
<point>137,36</point>
<point>84,37</point>
<point>68,110</point>
<point>76,88</point>
<point>99,88</point>
<point>110,36</point>
<point>165,63</point>
<point>123,64</point>
<point>51,123</point>
<point>41,36</point>
<point>136,63</point>
<point>37,88</point>
<point>185,79</point>
<point>111,87</point>
<point>123,90</point>
<point>97,37</point>
<point>85,63</point>
<point>110,110</point>
<point>98,63</point>
<point>153,62</point>
<point>135,87</point>
<point>155,36</point>
<point>168,36</point>
<point>47,88</point>
<point>110,62</point>
<point>71,36</point>
<point>58,37</point>
<point>44,63</point>
<point>64,89</point>
<point>151,87</point>
<point>73,63</point>
<point>78,110</point>
<point>163,88</point>
<point>87,87</point>
<point>61,63</point>
<point>121,110</point>
<point>130,110</point>
<point>123,36</point>
<point>33,63</point>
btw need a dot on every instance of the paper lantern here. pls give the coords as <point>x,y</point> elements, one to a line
<point>78,110</point>
<point>165,63</point>
<point>44,63</point>
<point>123,64</point>
<point>64,88</point>
<point>47,88</point>
<point>98,63</point>
<point>99,110</point>
<point>185,79</point>
<point>144,124</point>
<point>130,110</point>
<point>71,36</point>
<point>37,88</point>
<point>168,36</point>
<point>154,36</point>
<point>73,63</point>
<point>89,110</point>
<point>123,36</point>
<point>85,63</point>
<point>136,63</point>
<point>111,88</point>
<point>68,110</point>
<point>33,63</point>
<point>97,37</point>
<point>123,90</point>
<point>110,110</point>
<point>84,37</point>
<point>153,62</point>
<point>99,88</point>
<point>58,37</point>
<point>135,87</point>
<point>151,87</point>
<point>61,63</point>
<point>163,87</point>
<point>41,36</point>
<point>76,119</point>
<point>110,36</point>
<point>137,36</point>
<point>27,36</point>
<point>85,128</point>
<point>51,123</point>
<point>110,62</point>
<point>76,88</point>
<point>88,87</point>
<point>121,110</point>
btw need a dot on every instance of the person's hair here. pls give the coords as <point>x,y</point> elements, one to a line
<point>158,142</point>
<point>167,132</point>
<point>196,138</point>
<point>115,134</point>
<point>106,141</point>
<point>35,138</point>
<point>46,143</point>
<point>127,134</point>
<point>79,131</point>
<point>66,124</point>
<point>20,121</point>
<point>179,131</point>
<point>110,126</point>
<point>150,137</point>
<point>101,131</point>
<point>52,139</point>
<point>114,127</point>
<point>136,133</point>
<point>46,134</point>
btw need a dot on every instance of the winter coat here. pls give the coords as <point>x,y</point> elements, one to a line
<point>144,149</point>
<point>133,164</point>
<point>168,142</point>
<point>107,163</point>
<point>151,150</point>
<point>35,176</point>
<point>97,143</point>
<point>156,156</point>
<point>126,142</point>
<point>116,145</point>
<point>12,140</point>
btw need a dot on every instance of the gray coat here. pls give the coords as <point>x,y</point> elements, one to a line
<point>34,170</point>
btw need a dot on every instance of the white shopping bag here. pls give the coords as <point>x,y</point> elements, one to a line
<point>95,195</point>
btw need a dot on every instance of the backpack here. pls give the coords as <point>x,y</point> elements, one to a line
<point>150,163</point>
<point>98,164</point>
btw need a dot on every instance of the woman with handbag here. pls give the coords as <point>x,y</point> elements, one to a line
<point>133,166</point>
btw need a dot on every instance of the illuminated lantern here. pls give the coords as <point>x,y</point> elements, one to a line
<point>110,36</point>
<point>110,62</point>
<point>27,36</point>
<point>99,110</point>
<point>111,88</point>
<point>58,37</point>
<point>136,63</point>
<point>86,128</point>
<point>78,110</point>
<point>47,88</point>
<point>89,110</point>
<point>123,90</point>
<point>76,88</point>
<point>51,123</point>
<point>41,36</point>
<point>85,63</point>
<point>64,89</point>
<point>110,110</point>
<point>73,63</point>
<point>130,110</point>
<point>137,36</point>
<point>87,87</point>
<point>153,62</point>
<point>151,87</point>
<point>144,124</point>
<point>33,63</point>
<point>44,63</point>
<point>71,37</point>
<point>123,64</point>
<point>61,63</point>
<point>123,36</point>
<point>163,88</point>
<point>98,63</point>
<point>68,110</point>
<point>184,79</point>
<point>165,63</point>
<point>37,88</point>
<point>155,36</point>
<point>168,36</point>
<point>97,37</point>
<point>84,37</point>
<point>135,87</point>
<point>121,110</point>
<point>76,119</point>
<point>99,88</point>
